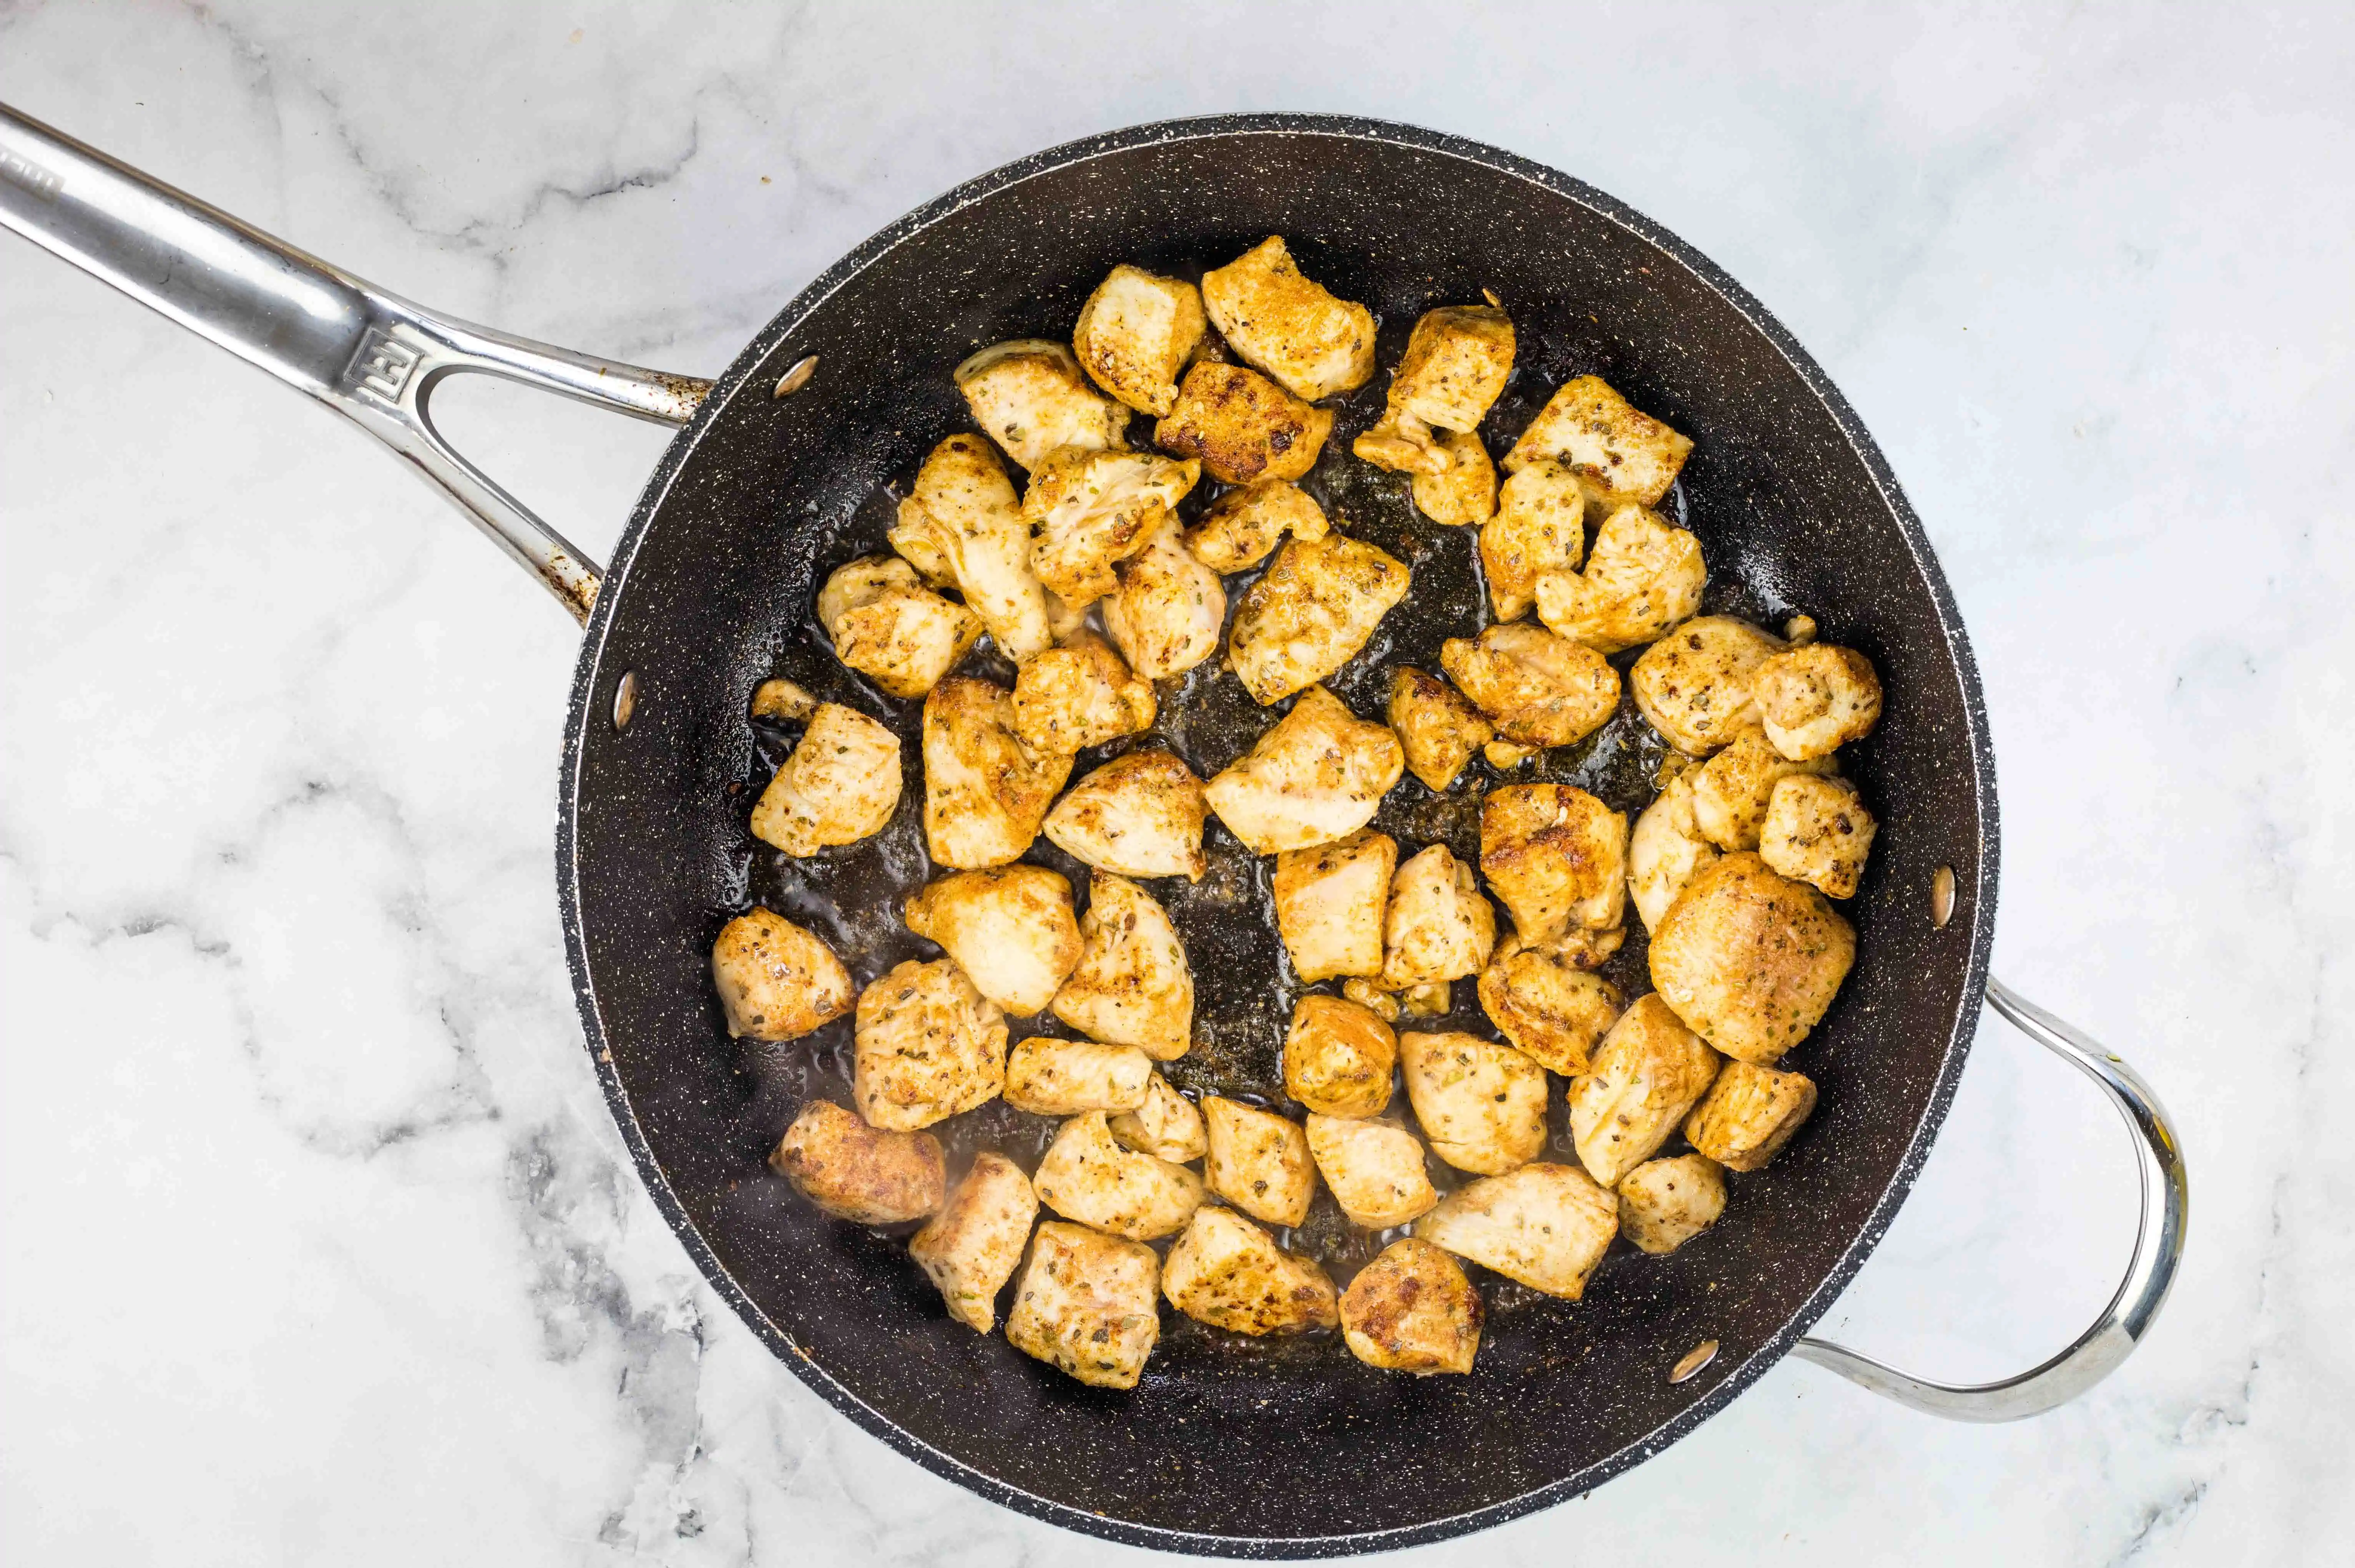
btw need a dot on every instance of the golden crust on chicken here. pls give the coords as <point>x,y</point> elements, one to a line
<point>1818,831</point>
<point>1030,396</point>
<point>929,1047</point>
<point>1089,511</point>
<point>1649,1071</point>
<point>1464,493</point>
<point>1694,684</point>
<point>1086,1176</point>
<point>1664,1204</point>
<point>1086,1305</point>
<point>1556,856</point>
<point>1733,790</point>
<point>776,980</point>
<point>1227,1272</point>
<point>1167,612</point>
<point>1338,1057</point>
<point>1545,1225</point>
<point>1751,961</point>
<point>1548,1002</point>
<point>1242,527</point>
<point>1080,694</point>
<point>840,785</point>
<point>1133,986</point>
<point>971,1248</point>
<point>1010,928</point>
<point>859,1172</point>
<point>1480,1103</point>
<point>1311,612</point>
<point>1538,689</point>
<point>1749,1114</point>
<point>890,627</point>
<point>1588,425</point>
<point>1065,1077</point>
<point>1242,426</point>
<point>1373,1167</point>
<point>962,524</point>
<point>1271,315</point>
<point>1457,362</point>
<point>1540,527</point>
<point>1317,775</point>
<point>1413,1310</point>
<point>1644,576</point>
<point>986,793</point>
<point>1329,902</point>
<point>1815,699</point>
<point>1259,1161</point>
<point>1438,726</point>
<point>1135,333</point>
<point>1438,927</point>
<point>1165,1126</point>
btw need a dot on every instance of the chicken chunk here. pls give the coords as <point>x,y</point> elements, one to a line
<point>1243,427</point>
<point>1243,526</point>
<point>1135,333</point>
<point>1437,726</point>
<point>1258,1161</point>
<point>1556,856</point>
<point>1818,831</point>
<point>985,792</point>
<point>859,1172</point>
<point>1589,426</point>
<point>1464,493</point>
<point>890,627</point>
<point>1439,928</point>
<point>1273,316</point>
<point>929,1047</point>
<point>782,699</point>
<point>1030,396</point>
<point>1311,612</point>
<point>1540,527</point>
<point>961,524</point>
<point>1227,1272</point>
<point>1167,612</point>
<point>1481,1104</point>
<point>1664,1204</point>
<point>1329,902</point>
<point>1065,1077</point>
<point>1457,362</point>
<point>840,785</point>
<point>1086,1305</point>
<point>1749,1114</point>
<point>1088,511</point>
<point>1732,790</point>
<point>1367,993</point>
<point>1751,961</point>
<point>1404,444</point>
<point>1374,1168</point>
<point>776,980</point>
<point>1338,1057</point>
<point>1537,689</point>
<point>1167,1126</point>
<point>1644,576</point>
<point>1648,1073</point>
<point>1665,850</point>
<point>1138,815</point>
<point>1317,775</point>
<point>1694,684</point>
<point>971,1248</point>
<point>1078,695</point>
<point>1544,1226</point>
<point>1088,1177</point>
<point>1815,699</point>
<point>1547,1003</point>
<point>1010,928</point>
<point>1413,1310</point>
<point>1133,986</point>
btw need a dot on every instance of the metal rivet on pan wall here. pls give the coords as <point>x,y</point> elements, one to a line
<point>626,699</point>
<point>1700,1356</point>
<point>797,376</point>
<point>1942,896</point>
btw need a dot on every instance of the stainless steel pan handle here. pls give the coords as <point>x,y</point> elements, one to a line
<point>372,355</point>
<point>2158,1249</point>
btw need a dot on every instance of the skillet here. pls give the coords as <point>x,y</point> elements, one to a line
<point>779,473</point>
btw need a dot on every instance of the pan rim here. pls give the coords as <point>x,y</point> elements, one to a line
<point>589,678</point>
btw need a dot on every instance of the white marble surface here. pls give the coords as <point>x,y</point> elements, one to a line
<point>318,1244</point>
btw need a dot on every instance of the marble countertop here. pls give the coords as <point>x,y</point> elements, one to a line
<point>319,1244</point>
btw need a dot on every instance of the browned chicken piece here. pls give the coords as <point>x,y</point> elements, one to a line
<point>1429,1000</point>
<point>962,524</point>
<point>1368,994</point>
<point>1818,831</point>
<point>1464,493</point>
<point>1540,527</point>
<point>1227,1272</point>
<point>1088,1177</point>
<point>782,699</point>
<point>1243,427</point>
<point>1666,850</point>
<point>840,785</point>
<point>1259,1161</point>
<point>1815,699</point>
<point>776,980</point>
<point>1751,961</point>
<point>1374,1168</point>
<point>1329,902</point>
<point>1310,613</point>
<point>1315,777</point>
<point>1544,1226</point>
<point>1694,684</point>
<point>1649,1071</point>
<point>1750,1114</point>
<point>1243,526</point>
<point>1086,1305</point>
<point>1167,1126</point>
<point>1338,1057</point>
<point>1644,576</point>
<point>1732,790</point>
<point>1538,689</point>
<point>1168,609</point>
<point>1547,1003</point>
<point>1437,726</point>
<point>1065,1077</point>
<point>1456,363</point>
<point>1078,695</point>
<point>1413,1310</point>
<point>1404,444</point>
<point>1138,815</point>
<point>929,1047</point>
<point>1135,333</point>
<point>985,792</point>
<point>857,1172</point>
<point>1556,856</point>
<point>1030,396</point>
<point>1481,1104</point>
<point>1010,928</point>
<point>1089,511</point>
<point>890,627</point>
<point>972,1246</point>
<point>1438,927</point>
<point>1588,425</point>
<point>1504,755</point>
<point>1664,1204</point>
<point>1273,316</point>
<point>1133,986</point>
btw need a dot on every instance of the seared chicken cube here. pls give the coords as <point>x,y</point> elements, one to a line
<point>971,1248</point>
<point>961,524</point>
<point>890,627</point>
<point>1588,425</point>
<point>1694,684</point>
<point>1818,831</point>
<point>1545,1225</point>
<point>1243,427</point>
<point>1540,527</point>
<point>1010,928</point>
<point>1374,1168</point>
<point>1545,1000</point>
<point>1733,789</point>
<point>1088,1177</point>
<point>1538,689</point>
<point>1437,726</point>
<point>1751,961</point>
<point>1168,609</point>
<point>1135,333</point>
<point>1481,1104</point>
<point>1258,1161</point>
<point>1311,612</point>
<point>776,981</point>
<point>1242,526</point>
<point>1089,511</point>
<point>840,785</point>
<point>1665,850</point>
<point>1031,398</point>
<point>1270,315</point>
<point>859,1172</point>
<point>1556,856</point>
<point>1664,1204</point>
<point>1065,1077</point>
<point>1133,986</point>
<point>1227,1272</point>
<point>1464,493</point>
<point>1815,699</point>
<point>1338,1057</point>
<point>782,699</point>
<point>1644,576</point>
<point>1329,902</point>
<point>1167,1126</point>
<point>1078,695</point>
<point>1648,1073</point>
<point>1315,777</point>
<point>1086,1305</point>
<point>1413,1310</point>
<point>1457,362</point>
<point>1404,444</point>
<point>1138,815</point>
<point>1438,927</point>
<point>1749,1114</point>
<point>929,1047</point>
<point>985,792</point>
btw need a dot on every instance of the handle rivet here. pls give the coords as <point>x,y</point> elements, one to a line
<point>797,376</point>
<point>1942,896</point>
<point>625,700</point>
<point>1700,1356</point>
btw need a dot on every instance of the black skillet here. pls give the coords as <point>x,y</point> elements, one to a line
<point>780,472</point>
